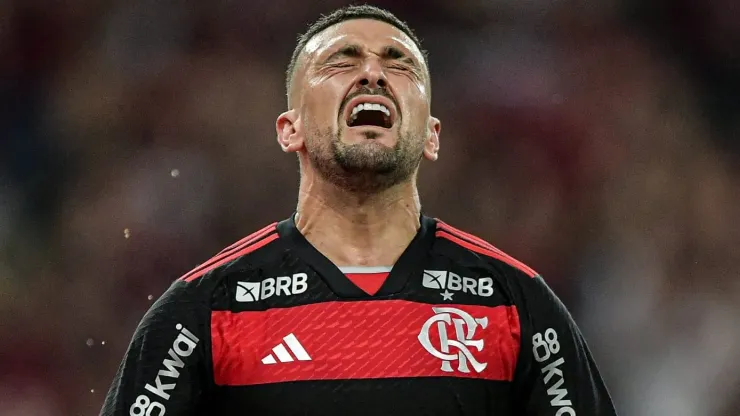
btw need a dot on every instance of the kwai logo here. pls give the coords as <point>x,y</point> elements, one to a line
<point>183,346</point>
<point>545,347</point>
<point>272,286</point>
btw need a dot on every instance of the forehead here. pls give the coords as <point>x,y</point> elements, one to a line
<point>365,32</point>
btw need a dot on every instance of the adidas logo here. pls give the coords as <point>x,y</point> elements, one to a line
<point>282,353</point>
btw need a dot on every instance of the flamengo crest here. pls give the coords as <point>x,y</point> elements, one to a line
<point>455,348</point>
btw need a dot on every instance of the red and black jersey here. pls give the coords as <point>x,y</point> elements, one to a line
<point>270,326</point>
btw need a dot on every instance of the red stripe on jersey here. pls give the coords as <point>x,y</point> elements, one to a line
<point>370,283</point>
<point>495,254</point>
<point>254,235</point>
<point>362,340</point>
<point>223,260</point>
<point>466,236</point>
<point>250,239</point>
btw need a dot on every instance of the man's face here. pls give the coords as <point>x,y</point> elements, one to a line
<point>362,102</point>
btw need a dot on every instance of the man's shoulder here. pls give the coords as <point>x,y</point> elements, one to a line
<point>467,246</point>
<point>252,246</point>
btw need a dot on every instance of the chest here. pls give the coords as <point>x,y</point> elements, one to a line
<point>351,353</point>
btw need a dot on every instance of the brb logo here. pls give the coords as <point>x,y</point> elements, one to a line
<point>449,349</point>
<point>272,286</point>
<point>452,283</point>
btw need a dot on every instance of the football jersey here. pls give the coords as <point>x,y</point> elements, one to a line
<point>270,326</point>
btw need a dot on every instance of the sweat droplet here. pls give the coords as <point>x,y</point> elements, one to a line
<point>89,342</point>
<point>175,173</point>
<point>126,233</point>
<point>150,297</point>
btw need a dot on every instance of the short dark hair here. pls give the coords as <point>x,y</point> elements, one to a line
<point>353,12</point>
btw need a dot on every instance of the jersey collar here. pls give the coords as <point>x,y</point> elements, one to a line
<point>410,263</point>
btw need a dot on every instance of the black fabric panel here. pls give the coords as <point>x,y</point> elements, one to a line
<point>386,397</point>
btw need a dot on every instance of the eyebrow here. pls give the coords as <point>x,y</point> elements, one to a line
<point>389,53</point>
<point>393,53</point>
<point>346,51</point>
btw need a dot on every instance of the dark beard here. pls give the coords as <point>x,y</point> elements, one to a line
<point>366,167</point>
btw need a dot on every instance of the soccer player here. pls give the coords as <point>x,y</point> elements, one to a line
<point>358,304</point>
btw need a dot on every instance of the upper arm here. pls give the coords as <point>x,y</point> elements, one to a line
<point>166,366</point>
<point>556,374</point>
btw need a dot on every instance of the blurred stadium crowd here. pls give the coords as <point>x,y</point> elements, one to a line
<point>594,140</point>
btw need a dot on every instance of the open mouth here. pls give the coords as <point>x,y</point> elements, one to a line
<point>365,113</point>
<point>370,115</point>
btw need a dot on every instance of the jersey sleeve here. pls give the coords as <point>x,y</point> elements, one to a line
<point>165,369</point>
<point>556,374</point>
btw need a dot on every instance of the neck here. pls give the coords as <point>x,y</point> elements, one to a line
<point>353,229</point>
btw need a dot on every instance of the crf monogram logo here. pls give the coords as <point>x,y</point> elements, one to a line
<point>455,349</point>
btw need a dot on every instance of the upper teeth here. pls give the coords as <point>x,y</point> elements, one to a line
<point>368,106</point>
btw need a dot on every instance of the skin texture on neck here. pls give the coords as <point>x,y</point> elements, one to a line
<point>353,229</point>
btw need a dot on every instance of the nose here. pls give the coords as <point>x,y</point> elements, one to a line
<point>373,75</point>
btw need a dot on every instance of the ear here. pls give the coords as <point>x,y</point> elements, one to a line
<point>289,135</point>
<point>431,145</point>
